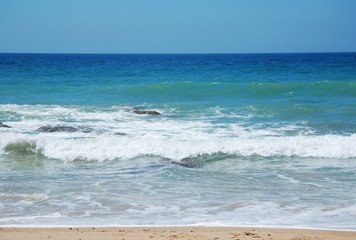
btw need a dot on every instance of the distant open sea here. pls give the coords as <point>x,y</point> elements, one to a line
<point>241,140</point>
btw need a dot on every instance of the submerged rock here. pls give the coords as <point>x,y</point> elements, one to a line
<point>57,129</point>
<point>4,125</point>
<point>149,112</point>
<point>188,164</point>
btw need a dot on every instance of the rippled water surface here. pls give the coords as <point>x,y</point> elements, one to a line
<point>261,140</point>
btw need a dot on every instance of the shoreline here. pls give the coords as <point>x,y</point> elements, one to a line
<point>176,226</point>
<point>174,232</point>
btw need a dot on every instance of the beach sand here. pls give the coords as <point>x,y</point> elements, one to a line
<point>213,233</point>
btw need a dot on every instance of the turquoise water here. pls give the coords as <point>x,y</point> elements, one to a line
<point>242,139</point>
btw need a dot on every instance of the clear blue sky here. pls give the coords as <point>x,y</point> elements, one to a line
<point>177,26</point>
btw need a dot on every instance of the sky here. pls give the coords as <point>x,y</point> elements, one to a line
<point>177,26</point>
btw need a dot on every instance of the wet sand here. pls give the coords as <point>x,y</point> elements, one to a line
<point>212,233</point>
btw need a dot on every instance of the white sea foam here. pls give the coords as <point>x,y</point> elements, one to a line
<point>164,136</point>
<point>249,193</point>
<point>68,147</point>
<point>30,219</point>
<point>263,214</point>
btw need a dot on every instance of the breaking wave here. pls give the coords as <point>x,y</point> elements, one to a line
<point>109,147</point>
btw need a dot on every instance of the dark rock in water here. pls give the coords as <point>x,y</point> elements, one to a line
<point>188,164</point>
<point>149,112</point>
<point>57,129</point>
<point>60,128</point>
<point>4,125</point>
<point>120,134</point>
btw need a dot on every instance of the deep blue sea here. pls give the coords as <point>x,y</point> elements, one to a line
<point>241,140</point>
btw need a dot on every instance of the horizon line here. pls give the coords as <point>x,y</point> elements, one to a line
<point>212,53</point>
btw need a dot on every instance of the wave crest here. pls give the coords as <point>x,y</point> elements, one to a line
<point>109,147</point>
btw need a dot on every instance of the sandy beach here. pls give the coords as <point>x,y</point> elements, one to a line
<point>127,233</point>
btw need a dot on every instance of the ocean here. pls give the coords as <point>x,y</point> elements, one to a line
<point>241,140</point>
